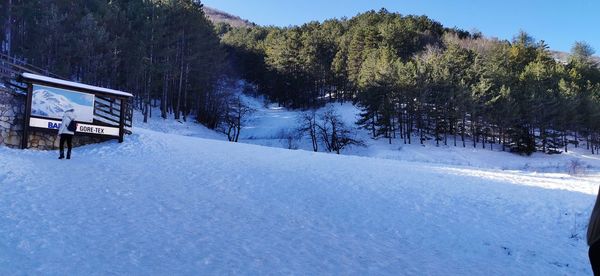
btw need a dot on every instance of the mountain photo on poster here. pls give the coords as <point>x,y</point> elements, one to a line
<point>52,103</point>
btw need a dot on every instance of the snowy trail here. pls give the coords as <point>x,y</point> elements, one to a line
<point>168,204</point>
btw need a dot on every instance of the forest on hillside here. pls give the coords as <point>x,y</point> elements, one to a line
<point>165,52</point>
<point>415,79</point>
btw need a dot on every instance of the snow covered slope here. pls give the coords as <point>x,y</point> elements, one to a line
<point>270,121</point>
<point>164,204</point>
<point>48,104</point>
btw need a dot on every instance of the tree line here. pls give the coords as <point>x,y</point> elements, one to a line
<point>416,80</point>
<point>165,52</point>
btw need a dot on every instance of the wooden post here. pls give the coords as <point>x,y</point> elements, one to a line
<point>27,117</point>
<point>122,121</point>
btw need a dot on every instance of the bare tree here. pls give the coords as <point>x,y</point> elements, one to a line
<point>334,134</point>
<point>236,115</point>
<point>290,138</point>
<point>308,124</point>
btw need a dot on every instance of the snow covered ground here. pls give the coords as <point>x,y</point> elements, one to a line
<point>269,121</point>
<point>169,201</point>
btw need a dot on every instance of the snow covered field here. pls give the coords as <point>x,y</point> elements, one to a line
<point>268,122</point>
<point>169,201</point>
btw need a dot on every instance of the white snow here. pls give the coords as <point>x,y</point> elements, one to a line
<point>269,121</point>
<point>47,104</point>
<point>169,202</point>
<point>75,84</point>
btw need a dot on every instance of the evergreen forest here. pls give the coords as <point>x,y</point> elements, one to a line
<point>414,79</point>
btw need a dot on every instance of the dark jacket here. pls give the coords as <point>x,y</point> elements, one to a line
<point>593,233</point>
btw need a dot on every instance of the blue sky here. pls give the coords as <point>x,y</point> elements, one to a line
<point>558,22</point>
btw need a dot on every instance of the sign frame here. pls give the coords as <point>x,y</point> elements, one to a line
<point>96,128</point>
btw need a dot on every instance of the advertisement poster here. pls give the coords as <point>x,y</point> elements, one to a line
<point>50,102</point>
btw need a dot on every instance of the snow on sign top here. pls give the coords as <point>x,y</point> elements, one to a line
<point>75,84</point>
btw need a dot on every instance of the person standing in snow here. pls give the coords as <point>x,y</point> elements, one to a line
<point>593,237</point>
<point>65,134</point>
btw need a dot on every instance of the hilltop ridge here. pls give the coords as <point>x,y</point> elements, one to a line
<point>218,16</point>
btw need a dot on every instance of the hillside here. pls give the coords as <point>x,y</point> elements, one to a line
<point>173,202</point>
<point>271,125</point>
<point>217,16</point>
<point>564,57</point>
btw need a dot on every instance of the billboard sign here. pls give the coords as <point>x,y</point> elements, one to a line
<point>52,102</point>
<point>81,127</point>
